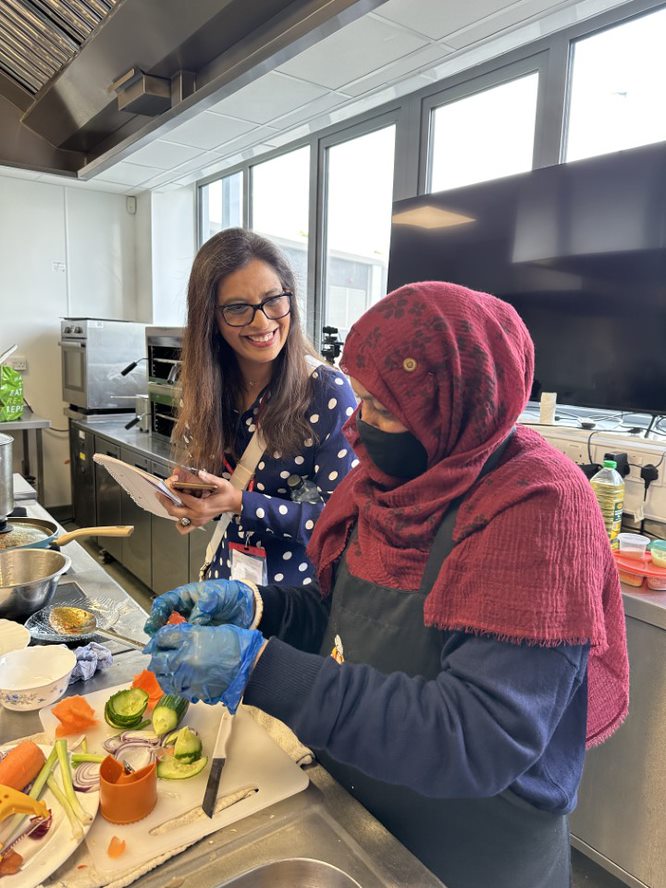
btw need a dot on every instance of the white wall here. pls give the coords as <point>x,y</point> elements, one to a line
<point>63,251</point>
<point>173,249</point>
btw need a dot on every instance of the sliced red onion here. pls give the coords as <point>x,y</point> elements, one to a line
<point>143,738</point>
<point>42,827</point>
<point>86,776</point>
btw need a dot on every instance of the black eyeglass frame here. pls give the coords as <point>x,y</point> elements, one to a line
<point>258,306</point>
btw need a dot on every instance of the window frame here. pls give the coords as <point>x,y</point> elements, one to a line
<point>550,56</point>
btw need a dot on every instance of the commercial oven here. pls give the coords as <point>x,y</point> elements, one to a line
<point>163,348</point>
<point>94,354</point>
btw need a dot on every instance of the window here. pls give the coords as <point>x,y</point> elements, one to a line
<point>358,225</point>
<point>280,210</point>
<point>617,88</point>
<point>221,205</point>
<point>485,135</point>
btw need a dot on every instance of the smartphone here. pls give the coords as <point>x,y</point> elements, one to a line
<point>193,486</point>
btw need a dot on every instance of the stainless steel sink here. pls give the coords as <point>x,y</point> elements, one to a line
<point>292,872</point>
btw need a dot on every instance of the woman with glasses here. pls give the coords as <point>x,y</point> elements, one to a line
<point>247,364</point>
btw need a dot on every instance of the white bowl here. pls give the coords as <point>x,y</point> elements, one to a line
<point>35,677</point>
<point>13,636</point>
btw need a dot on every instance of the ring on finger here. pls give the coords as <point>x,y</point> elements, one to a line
<point>184,522</point>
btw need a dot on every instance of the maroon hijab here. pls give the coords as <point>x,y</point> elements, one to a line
<point>531,562</point>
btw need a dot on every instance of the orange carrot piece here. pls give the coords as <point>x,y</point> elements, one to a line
<point>75,705</point>
<point>147,681</point>
<point>75,715</point>
<point>175,619</point>
<point>21,765</point>
<point>116,847</point>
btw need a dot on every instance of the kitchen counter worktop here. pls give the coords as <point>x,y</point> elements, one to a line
<point>114,429</point>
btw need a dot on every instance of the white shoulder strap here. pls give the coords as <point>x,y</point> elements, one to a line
<point>240,478</point>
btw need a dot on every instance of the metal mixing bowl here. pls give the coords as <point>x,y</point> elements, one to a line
<point>28,580</point>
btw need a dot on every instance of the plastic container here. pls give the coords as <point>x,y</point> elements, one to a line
<point>633,545</point>
<point>631,579</point>
<point>658,552</point>
<point>608,487</point>
<point>657,584</point>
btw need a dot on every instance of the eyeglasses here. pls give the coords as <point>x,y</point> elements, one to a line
<point>241,314</point>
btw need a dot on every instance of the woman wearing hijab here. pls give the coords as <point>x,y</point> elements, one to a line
<point>466,642</point>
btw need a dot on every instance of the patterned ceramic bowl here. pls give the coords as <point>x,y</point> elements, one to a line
<point>35,676</point>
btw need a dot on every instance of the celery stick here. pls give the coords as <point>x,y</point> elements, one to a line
<point>78,757</point>
<point>66,776</point>
<point>84,745</point>
<point>77,832</point>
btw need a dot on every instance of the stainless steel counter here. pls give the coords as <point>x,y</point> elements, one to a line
<point>114,429</point>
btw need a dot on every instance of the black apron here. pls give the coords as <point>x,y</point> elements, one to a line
<point>499,842</point>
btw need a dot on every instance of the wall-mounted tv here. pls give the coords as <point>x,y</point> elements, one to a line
<point>579,249</point>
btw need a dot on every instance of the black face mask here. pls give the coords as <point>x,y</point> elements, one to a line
<point>399,454</point>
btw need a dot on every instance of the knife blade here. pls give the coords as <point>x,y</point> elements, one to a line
<point>219,759</point>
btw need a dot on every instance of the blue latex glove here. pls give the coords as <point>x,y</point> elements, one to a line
<point>208,603</point>
<point>209,663</point>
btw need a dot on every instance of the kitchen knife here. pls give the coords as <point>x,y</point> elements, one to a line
<point>219,758</point>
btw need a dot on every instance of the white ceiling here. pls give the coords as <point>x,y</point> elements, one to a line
<point>400,47</point>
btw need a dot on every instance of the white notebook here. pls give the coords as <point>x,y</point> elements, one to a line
<point>140,485</point>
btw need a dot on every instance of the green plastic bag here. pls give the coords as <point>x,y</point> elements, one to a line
<point>11,394</point>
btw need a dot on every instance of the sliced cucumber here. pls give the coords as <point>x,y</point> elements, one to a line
<point>173,769</point>
<point>169,713</point>
<point>186,744</point>
<point>125,709</point>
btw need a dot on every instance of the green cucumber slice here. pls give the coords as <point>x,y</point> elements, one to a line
<point>173,769</point>
<point>125,709</point>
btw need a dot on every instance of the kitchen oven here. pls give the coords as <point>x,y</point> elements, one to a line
<point>94,352</point>
<point>163,347</point>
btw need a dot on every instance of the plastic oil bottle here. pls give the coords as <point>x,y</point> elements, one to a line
<point>608,486</point>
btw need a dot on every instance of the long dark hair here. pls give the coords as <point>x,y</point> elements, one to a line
<point>210,376</point>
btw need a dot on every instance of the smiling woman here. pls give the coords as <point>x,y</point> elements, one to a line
<point>246,365</point>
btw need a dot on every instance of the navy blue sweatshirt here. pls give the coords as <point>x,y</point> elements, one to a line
<point>498,716</point>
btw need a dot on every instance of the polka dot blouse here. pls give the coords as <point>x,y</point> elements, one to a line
<point>269,518</point>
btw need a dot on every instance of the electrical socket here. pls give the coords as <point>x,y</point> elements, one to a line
<point>17,362</point>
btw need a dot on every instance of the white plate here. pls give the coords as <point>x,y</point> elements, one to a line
<point>41,857</point>
<point>13,636</point>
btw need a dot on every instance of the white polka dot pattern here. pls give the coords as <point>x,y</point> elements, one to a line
<point>270,519</point>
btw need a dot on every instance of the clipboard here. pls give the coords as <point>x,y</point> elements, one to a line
<point>141,486</point>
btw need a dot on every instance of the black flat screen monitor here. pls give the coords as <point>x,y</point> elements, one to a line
<point>579,249</point>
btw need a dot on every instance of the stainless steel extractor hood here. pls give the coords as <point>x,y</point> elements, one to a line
<point>83,82</point>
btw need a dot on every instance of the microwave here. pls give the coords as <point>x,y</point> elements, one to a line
<point>94,353</point>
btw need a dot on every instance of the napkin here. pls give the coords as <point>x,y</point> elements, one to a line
<point>89,659</point>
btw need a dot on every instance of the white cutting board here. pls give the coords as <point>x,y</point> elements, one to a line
<point>253,759</point>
